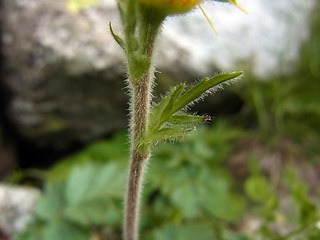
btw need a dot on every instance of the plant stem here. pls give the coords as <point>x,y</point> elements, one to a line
<point>140,110</point>
<point>148,28</point>
<point>140,104</point>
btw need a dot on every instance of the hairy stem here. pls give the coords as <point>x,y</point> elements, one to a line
<point>140,109</point>
<point>148,28</point>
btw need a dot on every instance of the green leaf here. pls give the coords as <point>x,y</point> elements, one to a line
<point>201,88</point>
<point>227,206</point>
<point>161,110</point>
<point>116,37</point>
<point>166,134</point>
<point>168,111</point>
<point>85,197</point>
<point>90,190</point>
<point>63,230</point>
<point>51,204</point>
<point>175,101</point>
<point>185,232</point>
<point>258,189</point>
<point>114,149</point>
<point>88,212</point>
<point>34,231</point>
<point>91,180</point>
<point>187,119</point>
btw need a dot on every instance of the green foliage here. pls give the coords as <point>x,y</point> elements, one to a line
<point>301,219</point>
<point>186,232</point>
<point>165,121</point>
<point>188,180</point>
<point>288,105</point>
<point>189,194</point>
<point>100,152</point>
<point>74,207</point>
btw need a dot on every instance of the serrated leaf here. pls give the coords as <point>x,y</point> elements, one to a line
<point>166,134</point>
<point>176,100</point>
<point>201,88</point>
<point>88,212</point>
<point>90,190</point>
<point>187,119</point>
<point>90,181</point>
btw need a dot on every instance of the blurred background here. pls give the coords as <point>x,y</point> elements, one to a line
<point>252,173</point>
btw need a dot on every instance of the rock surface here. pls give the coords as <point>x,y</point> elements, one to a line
<point>66,73</point>
<point>16,207</point>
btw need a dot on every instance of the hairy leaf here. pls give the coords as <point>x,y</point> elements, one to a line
<point>201,88</point>
<point>187,119</point>
<point>166,109</point>
<point>160,110</point>
<point>165,134</point>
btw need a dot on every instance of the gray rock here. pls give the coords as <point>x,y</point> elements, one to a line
<point>266,41</point>
<point>16,206</point>
<point>66,72</point>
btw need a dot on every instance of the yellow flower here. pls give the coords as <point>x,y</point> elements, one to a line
<point>172,6</point>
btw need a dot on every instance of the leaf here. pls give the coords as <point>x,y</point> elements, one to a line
<point>176,100</point>
<point>184,232</point>
<point>88,212</point>
<point>161,110</point>
<point>91,180</point>
<point>165,134</point>
<point>114,149</point>
<point>187,119</point>
<point>89,192</point>
<point>85,197</point>
<point>258,189</point>
<point>34,231</point>
<point>63,230</point>
<point>116,37</point>
<point>201,88</point>
<point>51,204</point>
